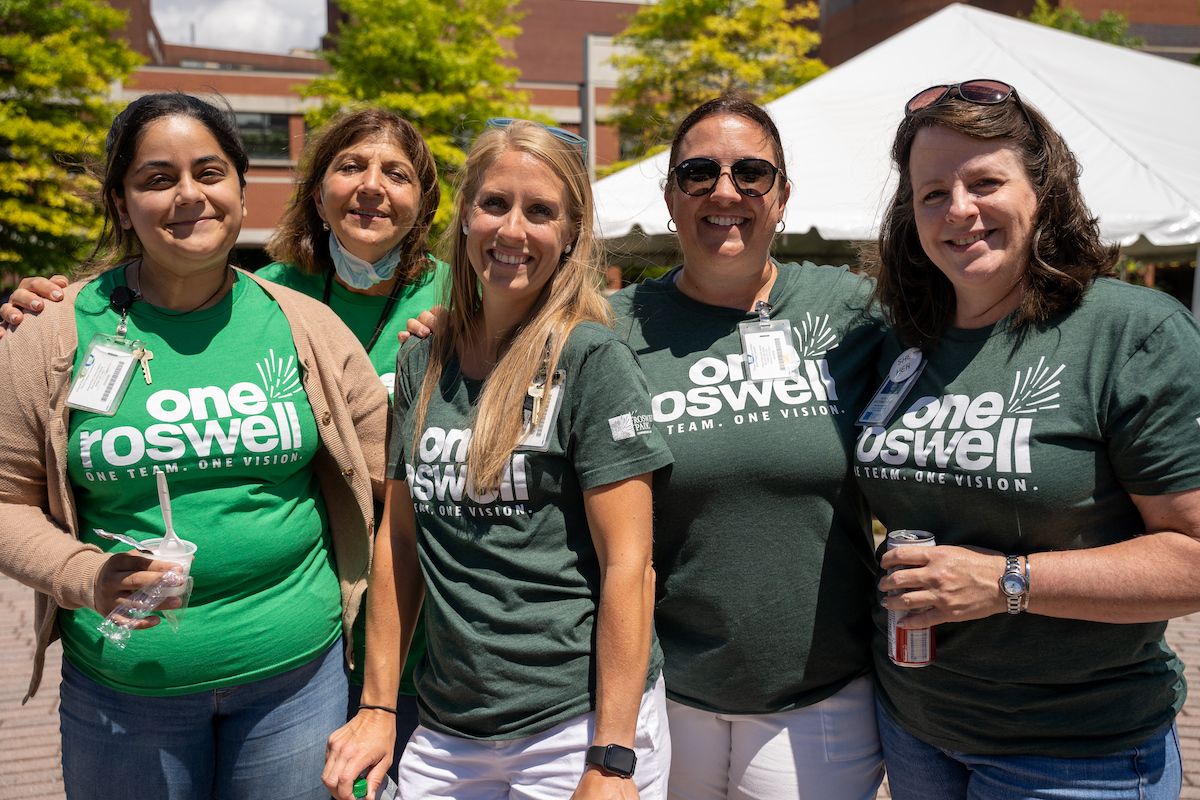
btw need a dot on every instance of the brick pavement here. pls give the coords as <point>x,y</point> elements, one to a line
<point>29,746</point>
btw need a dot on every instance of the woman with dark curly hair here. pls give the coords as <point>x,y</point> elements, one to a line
<point>1049,447</point>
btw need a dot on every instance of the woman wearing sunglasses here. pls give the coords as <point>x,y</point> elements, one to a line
<point>761,540</point>
<point>1052,450</point>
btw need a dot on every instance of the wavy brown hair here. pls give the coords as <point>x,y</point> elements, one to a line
<point>1065,250</point>
<point>571,296</point>
<point>301,239</point>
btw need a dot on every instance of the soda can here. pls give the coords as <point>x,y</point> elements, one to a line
<point>909,647</point>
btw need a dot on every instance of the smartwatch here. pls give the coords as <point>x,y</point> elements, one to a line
<point>1014,584</point>
<point>613,759</point>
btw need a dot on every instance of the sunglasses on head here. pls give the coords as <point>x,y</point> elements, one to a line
<point>573,139</point>
<point>752,177</point>
<point>981,92</point>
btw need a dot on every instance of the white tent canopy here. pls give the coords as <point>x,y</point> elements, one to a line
<point>1132,119</point>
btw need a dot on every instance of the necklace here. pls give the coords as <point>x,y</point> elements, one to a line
<point>137,293</point>
<point>383,315</point>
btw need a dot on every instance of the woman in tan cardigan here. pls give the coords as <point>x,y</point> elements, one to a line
<point>268,418</point>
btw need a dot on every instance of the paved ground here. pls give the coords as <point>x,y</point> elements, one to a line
<point>29,746</point>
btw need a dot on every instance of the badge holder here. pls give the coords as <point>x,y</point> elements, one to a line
<point>108,362</point>
<point>904,372</point>
<point>540,410</point>
<point>767,346</point>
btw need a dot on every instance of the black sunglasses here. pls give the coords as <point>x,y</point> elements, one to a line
<point>980,91</point>
<point>752,177</point>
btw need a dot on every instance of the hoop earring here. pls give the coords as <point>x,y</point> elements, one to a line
<point>670,222</point>
<point>779,228</point>
<point>324,225</point>
<point>464,229</point>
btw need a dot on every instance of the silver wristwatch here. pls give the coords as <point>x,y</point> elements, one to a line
<point>1014,584</point>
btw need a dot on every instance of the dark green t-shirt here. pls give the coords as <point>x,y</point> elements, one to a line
<point>512,578</point>
<point>1026,444</point>
<point>361,314</point>
<point>227,419</point>
<point>762,542</point>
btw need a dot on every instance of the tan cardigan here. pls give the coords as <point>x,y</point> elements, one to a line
<point>39,536</point>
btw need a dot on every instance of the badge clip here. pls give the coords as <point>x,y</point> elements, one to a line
<point>767,346</point>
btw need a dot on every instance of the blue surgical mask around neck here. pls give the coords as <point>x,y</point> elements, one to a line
<point>359,274</point>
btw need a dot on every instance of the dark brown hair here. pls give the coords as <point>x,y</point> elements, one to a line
<point>300,237</point>
<point>1065,251</point>
<point>116,244</point>
<point>736,106</point>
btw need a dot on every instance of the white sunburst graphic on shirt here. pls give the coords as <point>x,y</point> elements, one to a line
<point>1036,389</point>
<point>280,379</point>
<point>814,336</point>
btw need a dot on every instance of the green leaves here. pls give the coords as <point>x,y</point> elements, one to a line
<point>1111,27</point>
<point>57,60</point>
<point>685,52</point>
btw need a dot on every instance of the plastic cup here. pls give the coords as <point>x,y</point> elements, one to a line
<point>183,559</point>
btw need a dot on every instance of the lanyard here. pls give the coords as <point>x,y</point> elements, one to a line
<point>383,316</point>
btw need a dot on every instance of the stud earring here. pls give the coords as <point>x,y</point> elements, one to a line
<point>567,250</point>
<point>465,229</point>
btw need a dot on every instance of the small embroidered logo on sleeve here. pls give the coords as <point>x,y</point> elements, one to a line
<point>621,427</point>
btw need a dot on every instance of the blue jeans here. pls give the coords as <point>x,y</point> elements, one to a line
<point>264,739</point>
<point>919,771</point>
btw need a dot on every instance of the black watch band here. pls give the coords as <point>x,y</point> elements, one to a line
<point>613,759</point>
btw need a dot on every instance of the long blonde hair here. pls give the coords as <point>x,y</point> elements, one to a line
<point>570,296</point>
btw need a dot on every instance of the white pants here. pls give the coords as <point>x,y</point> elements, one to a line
<point>545,766</point>
<point>826,751</point>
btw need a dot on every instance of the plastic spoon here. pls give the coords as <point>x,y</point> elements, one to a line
<point>170,544</point>
<point>123,539</point>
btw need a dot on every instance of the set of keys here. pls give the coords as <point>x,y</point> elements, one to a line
<point>143,355</point>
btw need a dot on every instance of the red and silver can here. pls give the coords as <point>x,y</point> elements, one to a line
<point>909,647</point>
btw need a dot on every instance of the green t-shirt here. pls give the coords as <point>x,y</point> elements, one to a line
<point>762,543</point>
<point>1025,444</point>
<point>361,314</point>
<point>227,419</point>
<point>512,579</point>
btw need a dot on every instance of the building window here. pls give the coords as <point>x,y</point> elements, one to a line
<point>265,135</point>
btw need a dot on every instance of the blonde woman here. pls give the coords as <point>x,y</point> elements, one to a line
<point>521,459</point>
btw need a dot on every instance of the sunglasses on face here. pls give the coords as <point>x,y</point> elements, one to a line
<point>752,177</point>
<point>573,139</point>
<point>981,92</point>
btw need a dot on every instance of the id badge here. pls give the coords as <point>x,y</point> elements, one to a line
<point>537,438</point>
<point>903,374</point>
<point>101,381</point>
<point>768,350</point>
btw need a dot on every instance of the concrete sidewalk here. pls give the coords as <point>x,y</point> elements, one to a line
<point>29,745</point>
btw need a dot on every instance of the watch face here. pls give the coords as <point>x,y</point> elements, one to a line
<point>620,760</point>
<point>1013,585</point>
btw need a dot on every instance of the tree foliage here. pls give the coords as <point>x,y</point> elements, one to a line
<point>57,60</point>
<point>1111,27</point>
<point>681,53</point>
<point>440,64</point>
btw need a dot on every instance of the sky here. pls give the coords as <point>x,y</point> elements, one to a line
<point>266,26</point>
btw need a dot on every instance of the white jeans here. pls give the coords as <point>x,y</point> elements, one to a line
<point>826,751</point>
<point>545,766</point>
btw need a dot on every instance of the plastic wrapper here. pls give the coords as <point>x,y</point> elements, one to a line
<point>118,626</point>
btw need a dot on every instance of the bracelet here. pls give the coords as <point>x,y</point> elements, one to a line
<point>1028,586</point>
<point>389,709</point>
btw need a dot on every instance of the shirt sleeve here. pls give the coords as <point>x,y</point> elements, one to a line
<point>1154,412</point>
<point>408,384</point>
<point>613,436</point>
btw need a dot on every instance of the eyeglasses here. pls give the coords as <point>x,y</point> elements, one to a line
<point>980,91</point>
<point>573,139</point>
<point>752,177</point>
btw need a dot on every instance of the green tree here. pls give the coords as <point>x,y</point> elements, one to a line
<point>57,60</point>
<point>1111,27</point>
<point>681,53</point>
<point>440,64</point>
